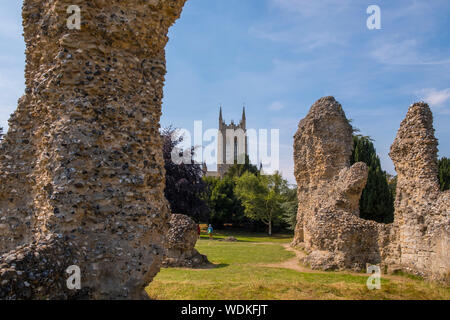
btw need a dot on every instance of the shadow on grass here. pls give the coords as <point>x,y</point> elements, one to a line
<point>222,239</point>
<point>253,238</point>
<point>408,275</point>
<point>212,266</point>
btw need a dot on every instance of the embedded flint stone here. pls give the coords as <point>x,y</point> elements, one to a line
<point>422,211</point>
<point>328,223</point>
<point>181,240</point>
<point>82,160</point>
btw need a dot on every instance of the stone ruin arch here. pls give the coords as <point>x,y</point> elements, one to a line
<point>82,176</point>
<point>329,227</point>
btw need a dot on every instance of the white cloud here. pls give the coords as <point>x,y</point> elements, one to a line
<point>406,52</point>
<point>276,106</point>
<point>436,98</point>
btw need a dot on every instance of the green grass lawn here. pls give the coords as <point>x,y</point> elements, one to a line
<point>239,273</point>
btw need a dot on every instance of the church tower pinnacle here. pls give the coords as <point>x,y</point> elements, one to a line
<point>244,120</point>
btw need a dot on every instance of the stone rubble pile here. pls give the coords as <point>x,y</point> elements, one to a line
<point>181,240</point>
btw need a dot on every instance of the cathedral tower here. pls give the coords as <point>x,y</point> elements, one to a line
<point>232,143</point>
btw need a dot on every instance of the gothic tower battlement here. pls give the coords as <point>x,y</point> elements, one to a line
<point>231,143</point>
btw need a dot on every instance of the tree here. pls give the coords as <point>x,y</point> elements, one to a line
<point>444,173</point>
<point>184,183</point>
<point>290,208</point>
<point>392,182</point>
<point>221,199</point>
<point>377,202</point>
<point>262,197</point>
<point>237,170</point>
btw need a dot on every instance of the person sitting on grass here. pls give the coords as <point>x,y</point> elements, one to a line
<point>210,231</point>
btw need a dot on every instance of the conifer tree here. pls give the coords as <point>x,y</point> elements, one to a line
<point>376,201</point>
<point>444,173</point>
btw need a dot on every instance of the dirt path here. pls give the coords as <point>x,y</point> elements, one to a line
<point>294,264</point>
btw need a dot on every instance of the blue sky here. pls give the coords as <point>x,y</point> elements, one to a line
<point>279,56</point>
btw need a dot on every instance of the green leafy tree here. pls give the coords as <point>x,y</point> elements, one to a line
<point>444,173</point>
<point>290,208</point>
<point>221,198</point>
<point>377,202</point>
<point>237,170</point>
<point>262,197</point>
<point>224,206</point>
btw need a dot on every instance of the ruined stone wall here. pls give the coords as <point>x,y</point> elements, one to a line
<point>329,190</point>
<point>82,159</point>
<point>329,227</point>
<point>422,211</point>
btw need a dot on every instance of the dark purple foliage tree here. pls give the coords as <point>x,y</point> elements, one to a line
<point>184,184</point>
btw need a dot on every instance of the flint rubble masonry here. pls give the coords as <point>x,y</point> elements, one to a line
<point>82,160</point>
<point>422,211</point>
<point>181,241</point>
<point>329,227</point>
<point>82,176</point>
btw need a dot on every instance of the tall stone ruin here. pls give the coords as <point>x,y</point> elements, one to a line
<point>422,211</point>
<point>81,166</point>
<point>328,223</point>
